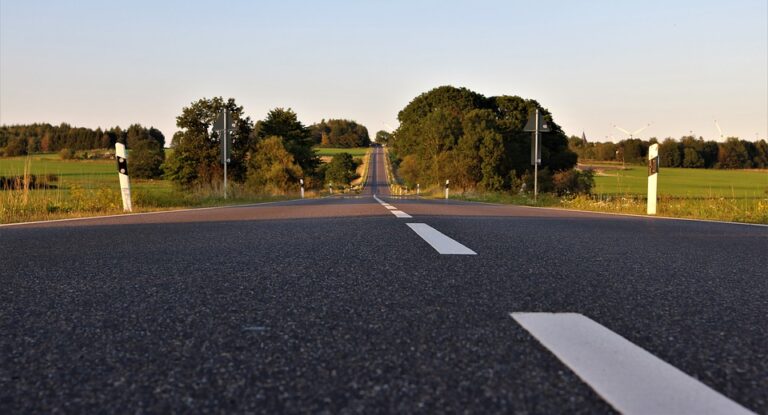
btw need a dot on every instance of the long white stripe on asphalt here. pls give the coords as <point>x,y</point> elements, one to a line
<point>628,377</point>
<point>442,244</point>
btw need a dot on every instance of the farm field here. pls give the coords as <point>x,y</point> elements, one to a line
<point>91,187</point>
<point>329,152</point>
<point>678,182</point>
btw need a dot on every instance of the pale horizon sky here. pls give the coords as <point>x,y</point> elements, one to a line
<point>676,64</point>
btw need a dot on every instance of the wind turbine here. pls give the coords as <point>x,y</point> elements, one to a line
<point>631,134</point>
<point>720,130</point>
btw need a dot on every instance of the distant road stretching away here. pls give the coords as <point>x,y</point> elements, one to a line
<point>378,304</point>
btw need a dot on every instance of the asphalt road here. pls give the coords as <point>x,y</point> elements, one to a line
<point>336,305</point>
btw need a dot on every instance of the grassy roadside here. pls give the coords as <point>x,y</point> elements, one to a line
<point>717,208</point>
<point>723,195</point>
<point>76,188</point>
<point>362,170</point>
<point>332,151</point>
<point>28,206</point>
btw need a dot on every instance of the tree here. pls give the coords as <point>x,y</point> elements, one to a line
<point>459,134</point>
<point>691,158</point>
<point>669,153</point>
<point>296,137</point>
<point>760,158</point>
<point>341,170</point>
<point>383,137</point>
<point>733,155</point>
<point>146,159</point>
<point>340,133</point>
<point>272,168</point>
<point>16,147</point>
<point>196,160</point>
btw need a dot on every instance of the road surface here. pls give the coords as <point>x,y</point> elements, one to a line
<point>342,305</point>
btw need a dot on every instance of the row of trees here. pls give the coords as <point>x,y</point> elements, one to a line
<point>19,140</point>
<point>473,140</point>
<point>146,144</point>
<point>688,151</point>
<point>270,155</point>
<point>339,133</point>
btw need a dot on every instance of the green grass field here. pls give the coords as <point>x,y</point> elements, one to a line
<point>355,151</point>
<point>91,187</point>
<point>677,182</point>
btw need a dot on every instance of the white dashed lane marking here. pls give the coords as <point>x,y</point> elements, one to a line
<point>442,243</point>
<point>392,209</point>
<point>628,377</point>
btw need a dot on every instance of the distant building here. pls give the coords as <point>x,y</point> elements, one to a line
<point>583,137</point>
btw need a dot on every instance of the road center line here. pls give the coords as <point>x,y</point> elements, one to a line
<point>401,214</point>
<point>442,243</point>
<point>392,209</point>
<point>628,377</point>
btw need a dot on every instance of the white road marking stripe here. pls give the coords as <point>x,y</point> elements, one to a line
<point>442,243</point>
<point>628,377</point>
<point>392,209</point>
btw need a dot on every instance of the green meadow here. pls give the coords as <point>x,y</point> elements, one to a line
<point>678,182</point>
<point>332,151</point>
<point>91,187</point>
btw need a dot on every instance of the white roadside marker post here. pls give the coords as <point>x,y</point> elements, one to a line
<point>653,177</point>
<point>447,182</point>
<point>418,189</point>
<point>122,172</point>
<point>302,187</point>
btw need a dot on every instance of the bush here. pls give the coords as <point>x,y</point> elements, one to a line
<point>573,182</point>
<point>67,154</point>
<point>545,181</point>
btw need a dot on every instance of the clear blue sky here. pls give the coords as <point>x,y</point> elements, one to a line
<point>677,64</point>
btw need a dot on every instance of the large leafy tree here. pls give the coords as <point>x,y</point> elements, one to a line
<point>383,137</point>
<point>147,152</point>
<point>339,133</point>
<point>196,159</point>
<point>284,123</point>
<point>454,133</point>
<point>733,154</point>
<point>272,168</point>
<point>341,170</point>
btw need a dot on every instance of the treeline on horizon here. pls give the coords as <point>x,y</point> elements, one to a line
<point>146,144</point>
<point>687,152</point>
<point>20,140</point>
<point>147,157</point>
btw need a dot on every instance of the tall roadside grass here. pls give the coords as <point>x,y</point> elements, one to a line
<point>19,202</point>
<point>745,210</point>
<point>94,195</point>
